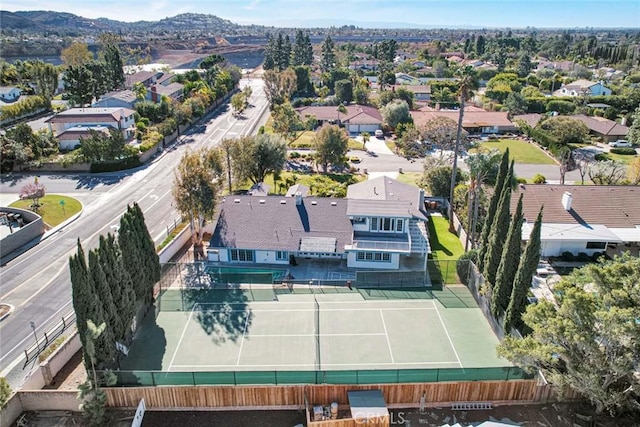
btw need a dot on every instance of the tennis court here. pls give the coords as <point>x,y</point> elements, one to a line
<point>261,329</point>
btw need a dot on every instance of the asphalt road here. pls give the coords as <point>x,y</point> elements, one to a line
<point>37,282</point>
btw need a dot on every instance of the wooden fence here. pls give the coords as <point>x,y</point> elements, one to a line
<point>292,396</point>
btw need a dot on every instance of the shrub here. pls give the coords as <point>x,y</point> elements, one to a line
<point>520,180</point>
<point>567,256</point>
<point>539,179</point>
<point>583,257</point>
<point>5,391</point>
<point>626,151</point>
<point>117,165</point>
<point>294,155</point>
<point>150,140</point>
<point>602,157</point>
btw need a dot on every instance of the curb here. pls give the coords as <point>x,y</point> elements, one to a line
<point>11,308</point>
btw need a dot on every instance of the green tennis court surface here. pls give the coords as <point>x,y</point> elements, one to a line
<point>267,328</point>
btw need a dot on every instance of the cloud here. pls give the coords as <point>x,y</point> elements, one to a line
<point>252,5</point>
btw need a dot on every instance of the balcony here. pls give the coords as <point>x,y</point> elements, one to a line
<point>380,242</point>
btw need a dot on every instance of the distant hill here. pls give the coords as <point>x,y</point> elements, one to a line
<point>62,22</point>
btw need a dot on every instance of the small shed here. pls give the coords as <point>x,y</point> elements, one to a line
<point>369,405</point>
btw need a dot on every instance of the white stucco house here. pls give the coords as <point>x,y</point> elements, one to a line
<point>379,224</point>
<point>581,87</point>
<point>9,93</point>
<point>584,218</point>
<point>357,119</point>
<point>70,125</point>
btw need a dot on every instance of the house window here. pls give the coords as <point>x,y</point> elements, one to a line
<point>374,224</point>
<point>596,245</point>
<point>386,224</point>
<point>241,255</point>
<point>399,225</point>
<point>282,255</point>
<point>373,256</point>
<point>358,220</point>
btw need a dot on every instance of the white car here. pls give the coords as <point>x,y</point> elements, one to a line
<point>379,134</point>
<point>620,143</point>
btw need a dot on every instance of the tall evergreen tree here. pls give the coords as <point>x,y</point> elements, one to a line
<point>141,262</point>
<point>114,72</point>
<point>308,50</point>
<point>269,54</point>
<point>285,56</point>
<point>491,210</point>
<point>508,264</point>
<point>78,85</point>
<point>110,313</point>
<point>122,292</point>
<point>522,282</point>
<point>328,61</point>
<point>80,291</point>
<point>497,237</point>
<point>298,49</point>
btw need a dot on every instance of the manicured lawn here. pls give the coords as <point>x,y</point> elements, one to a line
<point>520,151</point>
<point>52,212</point>
<point>626,159</point>
<point>308,180</point>
<point>410,178</point>
<point>305,140</point>
<point>445,250</point>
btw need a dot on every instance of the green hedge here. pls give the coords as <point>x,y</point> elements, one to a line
<point>625,151</point>
<point>117,165</point>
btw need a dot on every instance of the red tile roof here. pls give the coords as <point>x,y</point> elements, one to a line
<point>471,119</point>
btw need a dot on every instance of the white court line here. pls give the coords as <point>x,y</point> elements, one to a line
<point>244,332</point>
<point>186,325</point>
<point>449,337</point>
<point>313,335</point>
<point>286,310</point>
<point>313,365</point>
<point>384,325</point>
<point>414,302</point>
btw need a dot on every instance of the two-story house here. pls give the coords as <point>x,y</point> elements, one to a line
<point>71,125</point>
<point>378,226</point>
<point>9,93</point>
<point>583,87</point>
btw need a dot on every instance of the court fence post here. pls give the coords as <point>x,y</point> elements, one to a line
<point>153,378</point>
<point>193,378</point>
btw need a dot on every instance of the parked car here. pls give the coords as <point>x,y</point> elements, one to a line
<point>379,134</point>
<point>620,143</point>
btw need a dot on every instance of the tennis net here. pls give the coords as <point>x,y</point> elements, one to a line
<point>317,321</point>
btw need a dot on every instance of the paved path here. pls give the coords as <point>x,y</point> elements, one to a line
<point>376,145</point>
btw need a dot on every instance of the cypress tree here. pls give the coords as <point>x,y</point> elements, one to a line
<point>491,211</point>
<point>151,257</point>
<point>308,50</point>
<point>81,292</point>
<point>508,264</point>
<point>141,260</point>
<point>104,306</point>
<point>522,282</point>
<point>124,297</point>
<point>499,230</point>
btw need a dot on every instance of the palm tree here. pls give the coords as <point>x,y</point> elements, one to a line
<point>481,166</point>
<point>467,83</point>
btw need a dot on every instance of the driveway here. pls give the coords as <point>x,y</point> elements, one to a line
<point>377,146</point>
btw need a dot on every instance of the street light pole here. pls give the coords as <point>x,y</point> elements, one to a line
<point>33,326</point>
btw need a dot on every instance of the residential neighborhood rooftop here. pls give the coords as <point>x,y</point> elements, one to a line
<point>278,223</point>
<point>611,206</point>
<point>73,114</point>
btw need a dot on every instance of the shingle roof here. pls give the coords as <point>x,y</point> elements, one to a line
<point>414,88</point>
<point>90,114</point>
<point>139,77</point>
<point>384,189</point>
<point>252,224</point>
<point>472,119</point>
<point>612,206</point>
<point>602,126</point>
<point>124,95</point>
<point>530,119</point>
<point>356,114</point>
<point>78,132</point>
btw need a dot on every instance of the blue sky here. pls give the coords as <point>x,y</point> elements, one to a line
<point>451,13</point>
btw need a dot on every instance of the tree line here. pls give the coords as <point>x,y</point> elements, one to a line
<point>112,285</point>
